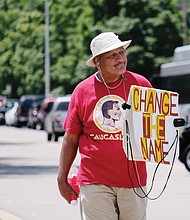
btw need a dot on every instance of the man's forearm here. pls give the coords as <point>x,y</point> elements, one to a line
<point>67,156</point>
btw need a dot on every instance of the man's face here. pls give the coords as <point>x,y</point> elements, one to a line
<point>113,62</point>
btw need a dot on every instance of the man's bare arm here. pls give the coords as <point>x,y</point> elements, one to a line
<point>67,156</point>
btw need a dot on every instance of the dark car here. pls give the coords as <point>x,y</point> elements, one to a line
<point>2,107</point>
<point>43,111</point>
<point>33,113</point>
<point>55,119</point>
<point>25,104</point>
<point>184,147</point>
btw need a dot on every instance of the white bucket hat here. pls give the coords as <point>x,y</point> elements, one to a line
<point>105,42</point>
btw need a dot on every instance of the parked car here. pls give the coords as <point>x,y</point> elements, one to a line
<point>25,104</point>
<point>184,147</point>
<point>5,106</point>
<point>2,101</point>
<point>2,106</point>
<point>32,114</point>
<point>55,119</point>
<point>45,108</point>
<point>10,115</point>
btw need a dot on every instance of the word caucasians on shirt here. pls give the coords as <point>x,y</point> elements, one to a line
<point>155,106</point>
<point>107,137</point>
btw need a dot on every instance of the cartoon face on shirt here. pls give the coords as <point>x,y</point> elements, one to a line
<point>111,112</point>
<point>108,113</point>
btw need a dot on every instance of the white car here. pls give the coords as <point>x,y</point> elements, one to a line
<point>10,115</point>
<point>55,118</point>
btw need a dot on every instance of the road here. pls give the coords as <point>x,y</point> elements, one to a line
<point>28,187</point>
<point>28,168</point>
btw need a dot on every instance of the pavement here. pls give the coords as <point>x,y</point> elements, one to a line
<point>28,170</point>
<point>25,174</point>
<point>4,215</point>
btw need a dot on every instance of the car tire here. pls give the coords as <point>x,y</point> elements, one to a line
<point>49,136</point>
<point>39,126</point>
<point>187,159</point>
<point>56,136</point>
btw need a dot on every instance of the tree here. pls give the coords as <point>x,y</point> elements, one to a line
<point>21,58</point>
<point>154,27</point>
<point>71,22</point>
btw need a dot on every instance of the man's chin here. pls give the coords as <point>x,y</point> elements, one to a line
<point>121,68</point>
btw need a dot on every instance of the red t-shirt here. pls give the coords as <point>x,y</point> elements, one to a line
<point>97,116</point>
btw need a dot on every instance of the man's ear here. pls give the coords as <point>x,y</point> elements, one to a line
<point>96,61</point>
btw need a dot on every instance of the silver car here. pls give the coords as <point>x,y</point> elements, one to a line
<point>56,117</point>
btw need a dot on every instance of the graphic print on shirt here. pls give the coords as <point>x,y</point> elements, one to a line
<point>108,114</point>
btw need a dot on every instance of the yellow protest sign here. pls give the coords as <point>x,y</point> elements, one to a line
<point>149,131</point>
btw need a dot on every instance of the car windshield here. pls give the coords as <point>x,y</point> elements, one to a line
<point>49,106</point>
<point>63,106</point>
<point>26,103</point>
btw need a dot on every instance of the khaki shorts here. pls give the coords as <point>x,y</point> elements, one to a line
<point>99,202</point>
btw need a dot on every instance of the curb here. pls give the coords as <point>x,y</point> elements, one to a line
<point>4,215</point>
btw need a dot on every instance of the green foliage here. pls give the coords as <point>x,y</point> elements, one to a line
<point>154,27</point>
<point>21,53</point>
<point>70,23</point>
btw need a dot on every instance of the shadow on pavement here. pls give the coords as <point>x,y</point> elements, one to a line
<point>6,169</point>
<point>4,143</point>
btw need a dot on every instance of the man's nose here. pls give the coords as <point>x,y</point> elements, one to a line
<point>120,56</point>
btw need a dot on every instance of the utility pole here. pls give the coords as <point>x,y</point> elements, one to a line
<point>47,53</point>
<point>184,7</point>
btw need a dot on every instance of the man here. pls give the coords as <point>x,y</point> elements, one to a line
<point>106,176</point>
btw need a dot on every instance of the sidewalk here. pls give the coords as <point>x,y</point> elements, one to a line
<point>8,216</point>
